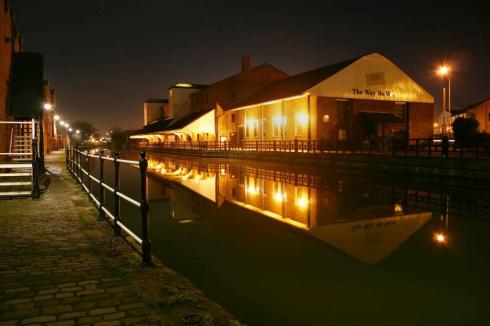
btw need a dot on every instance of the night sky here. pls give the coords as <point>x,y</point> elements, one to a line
<point>105,57</point>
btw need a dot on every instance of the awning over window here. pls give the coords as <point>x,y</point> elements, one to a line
<point>378,117</point>
<point>26,85</point>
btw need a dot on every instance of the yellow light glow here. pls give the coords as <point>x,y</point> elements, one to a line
<point>302,118</point>
<point>183,85</point>
<point>278,196</point>
<point>252,122</point>
<point>302,202</point>
<point>440,237</point>
<point>443,70</point>
<point>56,117</point>
<point>253,190</point>
<point>279,120</point>
<point>398,208</point>
<point>436,125</point>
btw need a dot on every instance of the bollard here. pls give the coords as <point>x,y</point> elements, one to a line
<point>117,203</point>
<point>101,187</point>
<point>445,147</point>
<point>145,224</point>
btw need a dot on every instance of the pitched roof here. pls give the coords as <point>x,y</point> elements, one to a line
<point>294,85</point>
<point>181,123</point>
<point>154,126</point>
<point>469,107</point>
<point>263,65</point>
<point>156,100</point>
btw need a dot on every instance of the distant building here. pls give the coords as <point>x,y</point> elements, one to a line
<point>155,109</point>
<point>10,43</point>
<point>356,101</point>
<point>193,107</point>
<point>479,111</point>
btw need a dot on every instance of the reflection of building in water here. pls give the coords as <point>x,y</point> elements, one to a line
<point>363,220</point>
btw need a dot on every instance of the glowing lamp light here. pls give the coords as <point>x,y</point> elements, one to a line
<point>302,202</point>
<point>70,129</point>
<point>440,237</point>
<point>48,106</point>
<point>253,190</point>
<point>302,118</point>
<point>436,125</point>
<point>56,117</point>
<point>278,196</point>
<point>78,131</point>
<point>252,122</point>
<point>278,120</point>
<point>443,70</point>
<point>398,209</point>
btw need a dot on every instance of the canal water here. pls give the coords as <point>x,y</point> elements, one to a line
<point>294,245</point>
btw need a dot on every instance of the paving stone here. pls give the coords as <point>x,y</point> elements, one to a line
<point>38,319</point>
<point>102,311</point>
<point>60,264</point>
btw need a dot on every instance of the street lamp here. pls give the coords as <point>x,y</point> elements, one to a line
<point>70,130</point>
<point>56,117</point>
<point>444,71</point>
<point>48,106</point>
<point>78,131</point>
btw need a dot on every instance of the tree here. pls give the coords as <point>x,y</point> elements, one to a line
<point>86,129</point>
<point>465,130</point>
<point>119,139</point>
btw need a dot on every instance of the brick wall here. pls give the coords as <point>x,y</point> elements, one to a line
<point>420,116</point>
<point>420,120</point>
<point>9,43</point>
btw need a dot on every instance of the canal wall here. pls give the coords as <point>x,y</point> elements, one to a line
<point>438,167</point>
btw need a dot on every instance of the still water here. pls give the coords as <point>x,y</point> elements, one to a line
<point>283,245</point>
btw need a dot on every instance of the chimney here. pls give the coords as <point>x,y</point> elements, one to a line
<point>245,63</point>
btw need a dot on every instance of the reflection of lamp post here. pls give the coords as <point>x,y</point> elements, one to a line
<point>445,71</point>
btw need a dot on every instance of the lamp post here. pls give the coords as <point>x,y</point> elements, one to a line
<point>445,71</point>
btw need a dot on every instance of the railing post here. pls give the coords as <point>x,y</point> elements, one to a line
<point>117,203</point>
<point>256,145</point>
<point>445,147</point>
<point>296,145</point>
<point>35,179</point>
<point>101,187</point>
<point>145,223</point>
<point>89,178</point>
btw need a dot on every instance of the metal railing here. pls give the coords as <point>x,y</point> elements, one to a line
<point>78,163</point>
<point>31,158</point>
<point>422,147</point>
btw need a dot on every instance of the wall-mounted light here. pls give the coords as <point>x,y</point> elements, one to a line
<point>302,118</point>
<point>326,118</point>
<point>48,106</point>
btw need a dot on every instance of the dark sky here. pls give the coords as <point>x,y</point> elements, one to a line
<point>105,57</point>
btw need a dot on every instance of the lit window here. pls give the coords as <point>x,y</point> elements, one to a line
<point>301,123</point>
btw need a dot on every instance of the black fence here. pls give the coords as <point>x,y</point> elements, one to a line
<point>422,147</point>
<point>79,163</point>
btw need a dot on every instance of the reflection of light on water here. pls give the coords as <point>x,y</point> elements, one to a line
<point>302,202</point>
<point>398,209</point>
<point>253,190</point>
<point>278,196</point>
<point>440,237</point>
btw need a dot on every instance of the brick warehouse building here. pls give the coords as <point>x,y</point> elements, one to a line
<point>364,99</point>
<point>359,99</point>
<point>10,43</point>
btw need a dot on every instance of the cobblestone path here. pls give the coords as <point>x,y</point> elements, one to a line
<point>61,265</point>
